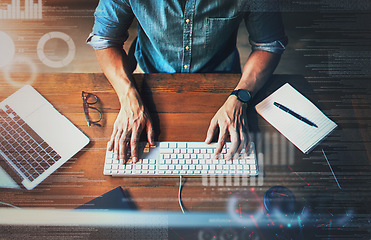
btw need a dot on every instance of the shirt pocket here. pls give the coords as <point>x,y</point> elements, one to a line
<point>220,31</point>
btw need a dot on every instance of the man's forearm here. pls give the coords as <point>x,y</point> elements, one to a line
<point>258,69</point>
<point>115,65</point>
<point>132,117</point>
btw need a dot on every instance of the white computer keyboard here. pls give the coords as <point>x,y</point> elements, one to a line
<point>183,158</point>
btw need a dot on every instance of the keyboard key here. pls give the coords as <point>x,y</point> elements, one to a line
<point>51,161</point>
<point>182,145</point>
<point>44,145</point>
<point>164,145</point>
<point>49,150</point>
<point>45,165</point>
<point>57,157</point>
<point>172,145</point>
<point>39,169</point>
<point>250,161</point>
<point>166,150</point>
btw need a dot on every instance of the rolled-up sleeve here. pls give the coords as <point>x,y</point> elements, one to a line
<point>265,27</point>
<point>112,21</point>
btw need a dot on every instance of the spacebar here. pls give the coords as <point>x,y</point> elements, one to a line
<point>32,133</point>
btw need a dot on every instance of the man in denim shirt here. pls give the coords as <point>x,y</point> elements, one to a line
<point>186,36</point>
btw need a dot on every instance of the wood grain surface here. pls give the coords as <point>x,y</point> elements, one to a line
<point>181,107</point>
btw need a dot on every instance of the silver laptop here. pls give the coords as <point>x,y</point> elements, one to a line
<point>35,139</point>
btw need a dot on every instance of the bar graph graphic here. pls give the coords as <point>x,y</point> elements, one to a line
<point>27,10</point>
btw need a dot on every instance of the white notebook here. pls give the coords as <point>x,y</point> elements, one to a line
<point>298,131</point>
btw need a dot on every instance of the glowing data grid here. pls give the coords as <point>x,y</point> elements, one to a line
<point>30,10</point>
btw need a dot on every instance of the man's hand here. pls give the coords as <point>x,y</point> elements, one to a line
<point>133,117</point>
<point>129,124</point>
<point>231,119</point>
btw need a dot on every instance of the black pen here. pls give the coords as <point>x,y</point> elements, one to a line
<point>294,114</point>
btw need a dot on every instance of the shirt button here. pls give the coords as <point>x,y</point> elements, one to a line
<point>185,66</point>
<point>187,20</point>
<point>187,48</point>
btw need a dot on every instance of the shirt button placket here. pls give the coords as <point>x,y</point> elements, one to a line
<point>187,41</point>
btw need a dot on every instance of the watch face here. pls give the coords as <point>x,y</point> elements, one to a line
<point>244,95</point>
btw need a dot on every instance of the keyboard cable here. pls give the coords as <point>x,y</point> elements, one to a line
<point>180,192</point>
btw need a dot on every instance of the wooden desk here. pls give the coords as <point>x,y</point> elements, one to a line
<point>182,106</point>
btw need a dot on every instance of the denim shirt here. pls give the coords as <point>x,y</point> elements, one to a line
<point>199,36</point>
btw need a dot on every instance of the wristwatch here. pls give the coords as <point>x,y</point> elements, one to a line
<point>242,95</point>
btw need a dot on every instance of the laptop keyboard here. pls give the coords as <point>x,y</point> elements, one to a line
<point>27,152</point>
<point>184,158</point>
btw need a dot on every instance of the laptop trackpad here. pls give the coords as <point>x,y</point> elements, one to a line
<point>56,130</point>
<point>6,181</point>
